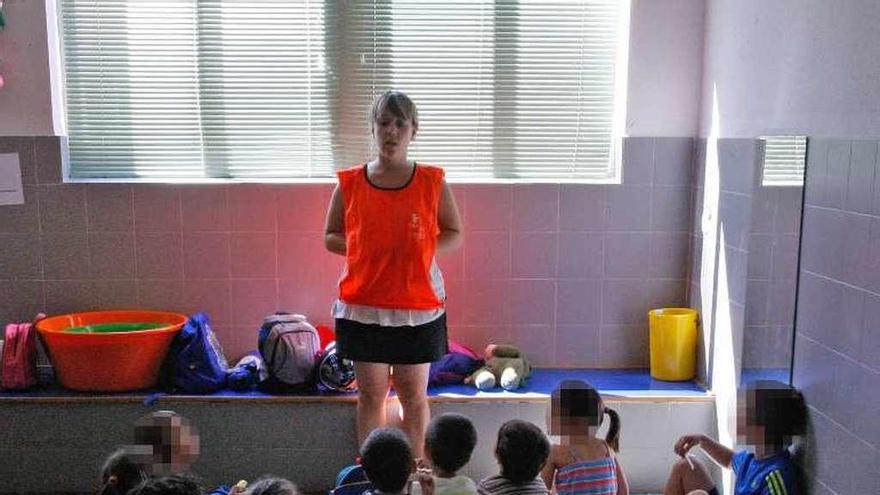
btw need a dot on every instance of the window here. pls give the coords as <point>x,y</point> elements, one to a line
<point>784,158</point>
<point>269,89</point>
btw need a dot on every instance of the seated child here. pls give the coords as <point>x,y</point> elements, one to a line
<point>521,451</point>
<point>174,484</point>
<point>387,459</point>
<point>268,485</point>
<point>773,413</point>
<point>449,442</point>
<point>165,443</point>
<point>120,473</point>
<point>583,464</point>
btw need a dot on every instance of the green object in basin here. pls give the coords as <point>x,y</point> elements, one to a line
<point>115,327</point>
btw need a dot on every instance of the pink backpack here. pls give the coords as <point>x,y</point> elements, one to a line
<point>19,357</point>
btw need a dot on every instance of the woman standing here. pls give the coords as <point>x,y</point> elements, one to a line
<point>389,217</point>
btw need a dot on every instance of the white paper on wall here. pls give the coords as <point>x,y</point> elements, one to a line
<point>10,180</point>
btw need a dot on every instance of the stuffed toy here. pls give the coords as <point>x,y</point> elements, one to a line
<point>505,366</point>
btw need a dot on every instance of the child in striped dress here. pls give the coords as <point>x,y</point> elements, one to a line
<point>583,464</point>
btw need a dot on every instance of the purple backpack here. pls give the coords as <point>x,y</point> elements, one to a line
<point>459,363</point>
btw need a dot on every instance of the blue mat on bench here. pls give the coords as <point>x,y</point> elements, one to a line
<point>619,382</point>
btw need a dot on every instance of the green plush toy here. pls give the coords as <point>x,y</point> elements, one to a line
<point>505,366</point>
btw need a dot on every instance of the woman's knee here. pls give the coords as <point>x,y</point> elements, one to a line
<point>372,396</point>
<point>412,399</point>
<point>411,384</point>
<point>372,380</point>
<point>411,393</point>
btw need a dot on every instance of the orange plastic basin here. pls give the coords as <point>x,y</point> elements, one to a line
<point>109,361</point>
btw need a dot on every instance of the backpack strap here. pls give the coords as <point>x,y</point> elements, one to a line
<point>270,362</point>
<point>283,317</point>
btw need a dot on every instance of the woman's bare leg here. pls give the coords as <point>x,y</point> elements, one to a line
<point>411,384</point>
<point>372,380</point>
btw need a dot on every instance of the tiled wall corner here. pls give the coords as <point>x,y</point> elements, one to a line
<point>837,341</point>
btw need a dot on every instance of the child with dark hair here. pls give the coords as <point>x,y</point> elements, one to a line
<point>583,464</point>
<point>769,415</point>
<point>165,443</point>
<point>270,485</point>
<point>522,450</point>
<point>120,473</point>
<point>387,459</point>
<point>174,484</point>
<point>449,443</point>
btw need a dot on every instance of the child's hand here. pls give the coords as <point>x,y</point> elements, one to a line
<point>425,479</point>
<point>686,443</point>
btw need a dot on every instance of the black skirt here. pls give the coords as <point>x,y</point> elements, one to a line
<point>370,343</point>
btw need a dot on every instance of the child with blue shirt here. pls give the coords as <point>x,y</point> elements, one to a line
<point>773,414</point>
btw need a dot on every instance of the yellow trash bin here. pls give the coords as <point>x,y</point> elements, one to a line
<point>673,342</point>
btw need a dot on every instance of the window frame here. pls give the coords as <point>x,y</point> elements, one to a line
<point>61,111</point>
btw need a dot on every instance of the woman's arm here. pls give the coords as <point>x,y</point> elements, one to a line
<point>450,222</point>
<point>334,229</point>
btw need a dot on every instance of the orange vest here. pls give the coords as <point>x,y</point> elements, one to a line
<point>390,239</point>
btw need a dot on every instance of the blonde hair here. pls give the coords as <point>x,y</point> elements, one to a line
<point>396,102</point>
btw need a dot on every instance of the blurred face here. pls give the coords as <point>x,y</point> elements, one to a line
<point>186,438</point>
<point>179,448</point>
<point>566,426</point>
<point>392,135</point>
<point>747,432</point>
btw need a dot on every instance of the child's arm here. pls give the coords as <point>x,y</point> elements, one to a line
<point>450,222</point>
<point>622,483</point>
<point>334,230</point>
<point>548,472</point>
<point>719,453</point>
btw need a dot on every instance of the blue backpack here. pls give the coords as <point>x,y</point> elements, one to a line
<point>196,359</point>
<point>352,480</point>
<point>247,373</point>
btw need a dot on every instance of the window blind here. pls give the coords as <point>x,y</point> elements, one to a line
<point>264,89</point>
<point>784,159</point>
